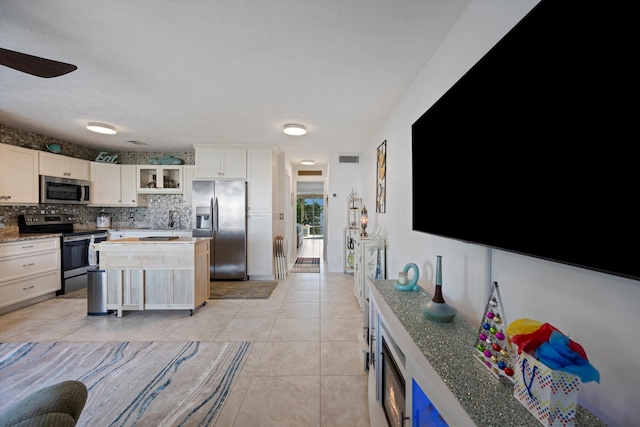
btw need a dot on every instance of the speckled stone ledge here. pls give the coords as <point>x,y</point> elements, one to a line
<point>449,349</point>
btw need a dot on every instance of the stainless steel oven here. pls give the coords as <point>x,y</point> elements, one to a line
<point>75,258</point>
<point>74,246</point>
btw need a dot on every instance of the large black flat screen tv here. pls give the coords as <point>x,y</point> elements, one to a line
<point>530,151</point>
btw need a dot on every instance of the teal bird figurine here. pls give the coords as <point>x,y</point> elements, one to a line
<point>167,160</point>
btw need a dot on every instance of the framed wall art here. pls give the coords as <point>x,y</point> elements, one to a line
<point>381,178</point>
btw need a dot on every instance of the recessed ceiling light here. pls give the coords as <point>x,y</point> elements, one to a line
<point>308,162</point>
<point>102,128</point>
<point>293,129</point>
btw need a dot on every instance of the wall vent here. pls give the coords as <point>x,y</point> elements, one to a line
<point>309,173</point>
<point>349,159</point>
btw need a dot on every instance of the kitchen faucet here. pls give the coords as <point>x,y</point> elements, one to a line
<point>174,220</point>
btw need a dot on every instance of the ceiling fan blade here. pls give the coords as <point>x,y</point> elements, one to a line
<point>34,65</point>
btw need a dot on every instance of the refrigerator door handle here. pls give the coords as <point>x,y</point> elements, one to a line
<point>211,232</point>
<point>214,221</point>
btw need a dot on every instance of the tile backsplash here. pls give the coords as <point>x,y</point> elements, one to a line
<point>155,214</point>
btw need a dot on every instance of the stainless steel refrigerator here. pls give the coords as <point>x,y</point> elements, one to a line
<point>220,212</point>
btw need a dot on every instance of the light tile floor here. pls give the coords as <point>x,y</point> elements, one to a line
<point>304,368</point>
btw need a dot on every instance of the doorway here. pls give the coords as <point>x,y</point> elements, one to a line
<point>310,213</point>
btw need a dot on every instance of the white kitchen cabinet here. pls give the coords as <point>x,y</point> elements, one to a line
<point>370,263</point>
<point>29,269</point>
<point>189,173</point>
<point>259,247</point>
<point>129,185</point>
<point>105,184</point>
<point>113,184</point>
<point>260,257</point>
<point>220,163</point>
<point>159,179</point>
<point>260,180</point>
<point>52,164</point>
<point>18,176</point>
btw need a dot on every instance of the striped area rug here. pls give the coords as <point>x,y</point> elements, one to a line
<point>130,383</point>
<point>306,265</point>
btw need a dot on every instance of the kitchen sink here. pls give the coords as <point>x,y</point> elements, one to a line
<point>152,238</point>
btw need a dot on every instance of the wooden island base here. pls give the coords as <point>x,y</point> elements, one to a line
<point>156,275</point>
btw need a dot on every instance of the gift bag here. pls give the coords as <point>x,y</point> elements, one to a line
<point>550,395</point>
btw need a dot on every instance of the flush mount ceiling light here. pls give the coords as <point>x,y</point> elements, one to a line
<point>102,128</point>
<point>293,129</point>
<point>308,162</point>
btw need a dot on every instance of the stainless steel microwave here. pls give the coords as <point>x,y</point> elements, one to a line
<point>64,190</point>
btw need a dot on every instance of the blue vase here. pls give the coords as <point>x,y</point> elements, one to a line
<point>437,309</point>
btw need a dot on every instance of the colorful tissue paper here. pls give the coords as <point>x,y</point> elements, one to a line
<point>550,346</point>
<point>523,326</point>
<point>558,354</point>
<point>524,334</point>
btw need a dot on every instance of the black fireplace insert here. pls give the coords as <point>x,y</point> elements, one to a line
<point>393,388</point>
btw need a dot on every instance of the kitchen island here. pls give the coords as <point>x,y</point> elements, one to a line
<point>155,273</point>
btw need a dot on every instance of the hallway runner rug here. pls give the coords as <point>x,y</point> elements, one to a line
<point>129,383</point>
<point>306,265</point>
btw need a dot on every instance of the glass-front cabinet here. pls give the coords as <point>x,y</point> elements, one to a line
<point>160,179</point>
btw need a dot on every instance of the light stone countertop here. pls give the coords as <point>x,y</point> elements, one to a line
<point>15,237</point>
<point>148,229</point>
<point>160,240</point>
<point>12,234</point>
<point>449,348</point>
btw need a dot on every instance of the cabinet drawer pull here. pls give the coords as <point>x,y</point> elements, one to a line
<point>28,265</point>
<point>30,287</point>
<point>27,247</point>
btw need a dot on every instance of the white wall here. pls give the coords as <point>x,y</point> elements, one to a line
<point>598,311</point>
<point>344,178</point>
